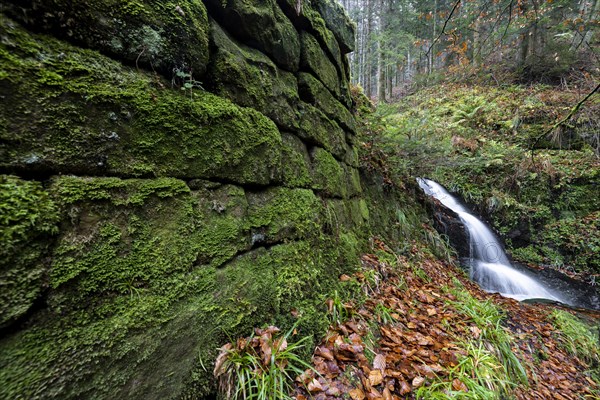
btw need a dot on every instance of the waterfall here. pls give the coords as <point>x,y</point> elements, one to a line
<point>489,265</point>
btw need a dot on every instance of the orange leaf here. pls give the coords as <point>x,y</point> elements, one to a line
<point>387,395</point>
<point>459,386</point>
<point>357,394</point>
<point>375,377</point>
<point>324,352</point>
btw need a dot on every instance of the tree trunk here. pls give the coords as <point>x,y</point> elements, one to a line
<point>368,52</point>
<point>381,67</point>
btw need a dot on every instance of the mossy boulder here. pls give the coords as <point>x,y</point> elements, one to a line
<point>318,28</point>
<point>315,93</point>
<point>154,275</point>
<point>296,164</point>
<point>338,22</point>
<point>317,129</point>
<point>107,222</point>
<point>75,111</point>
<point>250,79</point>
<point>161,35</point>
<point>315,61</point>
<point>28,219</point>
<point>262,25</point>
<point>333,178</point>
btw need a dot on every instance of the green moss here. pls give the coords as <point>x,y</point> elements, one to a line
<point>107,119</point>
<point>316,61</point>
<point>249,78</point>
<point>316,128</point>
<point>285,213</point>
<point>161,36</point>
<point>312,91</point>
<point>364,209</point>
<point>111,247</point>
<point>70,189</point>
<point>296,167</point>
<point>575,239</point>
<point>338,21</point>
<point>335,179</point>
<point>328,175</point>
<point>261,25</point>
<point>324,36</point>
<point>149,275</point>
<point>28,218</point>
<point>527,254</point>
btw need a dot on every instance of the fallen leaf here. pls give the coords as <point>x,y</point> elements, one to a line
<point>425,341</point>
<point>431,312</point>
<point>223,355</point>
<point>357,394</point>
<point>387,395</point>
<point>379,362</point>
<point>375,377</point>
<point>344,278</point>
<point>418,381</point>
<point>475,331</point>
<point>324,352</point>
<point>306,376</point>
<point>315,386</point>
<point>459,386</point>
<point>374,394</point>
<point>404,388</point>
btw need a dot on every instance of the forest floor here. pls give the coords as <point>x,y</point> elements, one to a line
<point>419,328</point>
<point>426,331</point>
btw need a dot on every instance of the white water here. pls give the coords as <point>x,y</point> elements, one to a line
<point>489,265</point>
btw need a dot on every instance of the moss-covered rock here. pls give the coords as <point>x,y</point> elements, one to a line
<point>296,162</point>
<point>75,111</point>
<point>313,18</point>
<point>28,218</point>
<point>262,25</point>
<point>250,79</point>
<point>169,219</point>
<point>111,244</point>
<point>312,91</point>
<point>150,275</point>
<point>333,178</point>
<point>315,61</point>
<point>317,129</point>
<point>338,22</point>
<point>317,27</point>
<point>163,36</point>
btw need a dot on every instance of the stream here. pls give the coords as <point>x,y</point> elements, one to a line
<point>489,265</point>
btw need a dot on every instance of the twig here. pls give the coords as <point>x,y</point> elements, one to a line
<point>563,120</point>
<point>443,31</point>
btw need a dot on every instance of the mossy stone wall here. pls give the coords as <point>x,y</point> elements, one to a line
<point>166,184</point>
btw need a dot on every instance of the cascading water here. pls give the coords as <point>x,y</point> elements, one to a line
<point>489,264</point>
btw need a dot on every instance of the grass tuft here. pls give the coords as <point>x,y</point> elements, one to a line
<point>261,367</point>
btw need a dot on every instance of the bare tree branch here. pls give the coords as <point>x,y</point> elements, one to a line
<point>443,31</point>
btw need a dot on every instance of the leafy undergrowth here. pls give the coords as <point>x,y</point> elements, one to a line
<point>426,332</point>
